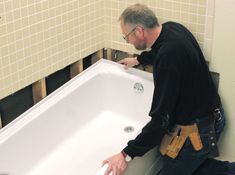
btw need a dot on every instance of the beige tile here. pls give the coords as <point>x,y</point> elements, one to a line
<point>161,3</point>
<point>52,3</point>
<point>192,18</point>
<point>13,58</point>
<point>200,37</point>
<point>6,70</point>
<point>45,15</point>
<point>3,30</point>
<point>203,2</point>
<point>3,40</point>
<point>2,9</point>
<point>33,30</point>
<point>25,22</point>
<point>12,48</point>
<point>18,24</point>
<point>185,8</point>
<point>30,2</point>
<point>9,17</point>
<point>193,1</point>
<point>185,1</point>
<point>168,5</point>
<point>16,14</point>
<point>18,35</point>
<point>19,44</point>
<point>14,77</point>
<point>24,12</point>
<point>4,51</point>
<point>26,33</point>
<point>8,6</point>
<point>184,17</point>
<point>202,10</point>
<point>32,20</point>
<point>168,14</point>
<point>31,10</point>
<point>38,7</point>
<point>193,8</point>
<point>27,51</point>
<point>200,28</point>
<point>201,19</point>
<point>5,62</point>
<point>19,54</point>
<point>176,6</point>
<point>15,4</point>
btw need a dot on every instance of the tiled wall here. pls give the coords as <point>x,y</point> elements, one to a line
<point>39,37</point>
<point>197,15</point>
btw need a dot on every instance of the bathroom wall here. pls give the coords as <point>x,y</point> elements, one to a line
<point>39,37</point>
<point>197,15</point>
<point>223,61</point>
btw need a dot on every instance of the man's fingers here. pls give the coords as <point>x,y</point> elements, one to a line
<point>122,61</point>
<point>114,171</point>
<point>108,170</point>
<point>115,165</point>
<point>105,162</point>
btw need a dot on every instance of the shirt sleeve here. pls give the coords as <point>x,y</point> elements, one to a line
<point>149,137</point>
<point>167,82</point>
<point>145,58</point>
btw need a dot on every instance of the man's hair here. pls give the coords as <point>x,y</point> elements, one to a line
<point>139,14</point>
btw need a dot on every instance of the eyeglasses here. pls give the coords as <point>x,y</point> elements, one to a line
<point>126,36</point>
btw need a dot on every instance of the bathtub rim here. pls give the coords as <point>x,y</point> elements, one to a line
<point>98,67</point>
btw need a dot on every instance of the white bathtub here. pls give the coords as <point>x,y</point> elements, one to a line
<point>74,129</point>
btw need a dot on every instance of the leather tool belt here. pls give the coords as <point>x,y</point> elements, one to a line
<point>172,143</point>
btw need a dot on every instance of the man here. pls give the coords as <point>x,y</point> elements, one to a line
<point>185,113</point>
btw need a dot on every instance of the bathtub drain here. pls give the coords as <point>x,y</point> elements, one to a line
<point>129,129</point>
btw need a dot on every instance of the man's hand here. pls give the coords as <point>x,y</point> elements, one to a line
<point>129,62</point>
<point>116,164</point>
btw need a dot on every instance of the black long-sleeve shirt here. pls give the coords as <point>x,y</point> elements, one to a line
<point>183,91</point>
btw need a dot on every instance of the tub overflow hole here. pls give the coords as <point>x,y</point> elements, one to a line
<point>129,129</point>
<point>138,88</point>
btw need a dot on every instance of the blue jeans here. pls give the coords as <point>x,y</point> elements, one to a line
<point>188,160</point>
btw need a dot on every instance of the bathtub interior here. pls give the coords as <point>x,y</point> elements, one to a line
<point>75,128</point>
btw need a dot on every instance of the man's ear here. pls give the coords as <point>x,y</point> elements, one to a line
<point>139,31</point>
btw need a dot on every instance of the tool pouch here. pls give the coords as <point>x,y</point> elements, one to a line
<point>195,138</point>
<point>175,146</point>
<point>173,143</point>
<point>167,139</point>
